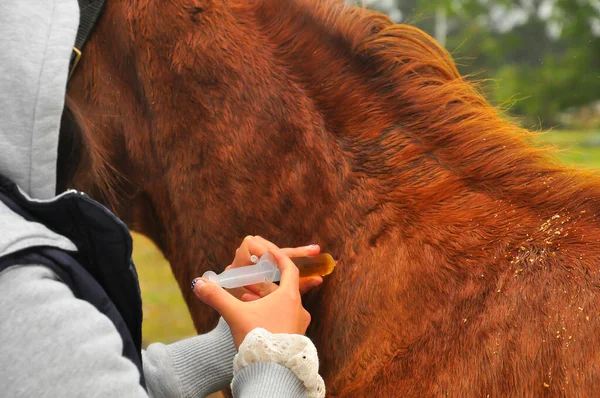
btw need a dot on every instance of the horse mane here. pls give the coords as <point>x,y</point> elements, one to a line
<point>396,76</point>
<point>387,83</point>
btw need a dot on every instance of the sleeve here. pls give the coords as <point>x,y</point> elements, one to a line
<point>56,345</point>
<point>267,380</point>
<point>193,367</point>
<point>200,365</point>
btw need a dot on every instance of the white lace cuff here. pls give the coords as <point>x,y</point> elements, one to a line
<point>294,351</point>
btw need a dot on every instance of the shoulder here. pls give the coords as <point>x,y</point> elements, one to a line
<point>17,233</point>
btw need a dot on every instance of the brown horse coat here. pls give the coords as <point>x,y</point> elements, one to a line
<point>468,259</point>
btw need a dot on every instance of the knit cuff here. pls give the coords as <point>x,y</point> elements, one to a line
<point>294,351</point>
<point>203,363</point>
<point>267,379</point>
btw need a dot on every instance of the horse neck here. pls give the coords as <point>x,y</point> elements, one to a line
<point>387,129</point>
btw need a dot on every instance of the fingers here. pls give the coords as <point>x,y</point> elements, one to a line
<point>251,245</point>
<point>262,241</point>
<point>257,245</point>
<point>302,251</point>
<point>242,254</point>
<point>305,284</point>
<point>255,292</point>
<point>308,283</point>
<point>237,292</point>
<point>290,278</point>
<point>306,318</point>
<point>215,296</point>
<point>250,297</point>
<point>262,289</point>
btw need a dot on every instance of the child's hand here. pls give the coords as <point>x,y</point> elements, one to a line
<point>280,311</point>
<point>256,245</point>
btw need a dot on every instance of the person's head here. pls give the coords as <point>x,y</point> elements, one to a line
<point>36,40</point>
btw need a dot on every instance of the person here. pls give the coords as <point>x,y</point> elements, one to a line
<point>70,308</point>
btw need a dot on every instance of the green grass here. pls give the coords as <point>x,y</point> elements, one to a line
<point>577,148</point>
<point>166,318</point>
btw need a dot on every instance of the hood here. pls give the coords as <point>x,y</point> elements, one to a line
<point>36,40</point>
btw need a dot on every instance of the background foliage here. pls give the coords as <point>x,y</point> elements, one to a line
<point>543,56</point>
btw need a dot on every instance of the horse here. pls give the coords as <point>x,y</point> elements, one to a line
<point>468,257</point>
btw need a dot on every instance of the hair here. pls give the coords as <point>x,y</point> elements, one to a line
<point>84,162</point>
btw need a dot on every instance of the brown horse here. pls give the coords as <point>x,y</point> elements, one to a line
<point>468,259</point>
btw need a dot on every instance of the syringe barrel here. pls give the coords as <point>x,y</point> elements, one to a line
<point>263,271</point>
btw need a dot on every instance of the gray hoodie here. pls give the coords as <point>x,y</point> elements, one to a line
<point>52,344</point>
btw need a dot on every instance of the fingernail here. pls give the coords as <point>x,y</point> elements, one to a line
<point>197,281</point>
<point>312,245</point>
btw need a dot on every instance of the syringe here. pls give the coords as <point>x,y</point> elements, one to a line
<point>265,270</point>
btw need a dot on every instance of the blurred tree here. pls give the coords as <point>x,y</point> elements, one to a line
<point>542,55</point>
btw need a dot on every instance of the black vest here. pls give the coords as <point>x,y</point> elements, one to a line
<point>101,272</point>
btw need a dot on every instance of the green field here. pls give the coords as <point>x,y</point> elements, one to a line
<point>166,318</point>
<point>578,148</point>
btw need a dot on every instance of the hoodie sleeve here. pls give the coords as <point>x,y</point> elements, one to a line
<point>193,367</point>
<point>56,345</point>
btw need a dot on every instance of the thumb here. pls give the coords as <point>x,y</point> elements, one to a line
<point>214,295</point>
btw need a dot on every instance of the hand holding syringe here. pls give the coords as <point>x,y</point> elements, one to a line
<point>277,309</point>
<point>265,270</point>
